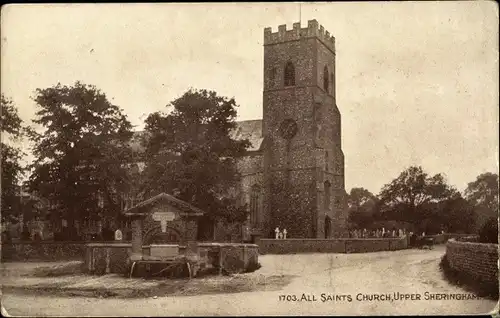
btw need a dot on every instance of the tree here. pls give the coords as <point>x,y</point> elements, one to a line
<point>82,152</point>
<point>455,215</point>
<point>359,197</point>
<point>489,231</point>
<point>361,204</point>
<point>12,170</point>
<point>482,194</point>
<point>411,193</point>
<point>189,153</point>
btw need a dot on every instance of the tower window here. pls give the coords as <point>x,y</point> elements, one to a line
<point>326,80</point>
<point>254,204</point>
<point>289,74</point>
<point>326,160</point>
<point>327,187</point>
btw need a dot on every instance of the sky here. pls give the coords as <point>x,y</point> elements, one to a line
<point>417,82</point>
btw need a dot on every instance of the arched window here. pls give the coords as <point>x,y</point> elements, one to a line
<point>326,80</point>
<point>327,187</point>
<point>254,204</point>
<point>289,74</point>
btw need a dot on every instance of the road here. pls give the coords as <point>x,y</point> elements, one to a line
<point>384,273</point>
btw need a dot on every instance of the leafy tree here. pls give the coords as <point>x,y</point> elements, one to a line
<point>484,191</point>
<point>12,170</point>
<point>362,204</point>
<point>189,153</point>
<point>482,194</point>
<point>455,215</point>
<point>359,197</point>
<point>411,193</point>
<point>82,152</point>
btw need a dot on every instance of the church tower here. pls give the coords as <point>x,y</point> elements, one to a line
<point>303,159</point>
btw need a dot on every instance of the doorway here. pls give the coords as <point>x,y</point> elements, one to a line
<point>328,226</point>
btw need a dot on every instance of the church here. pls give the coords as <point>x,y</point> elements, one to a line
<point>292,176</point>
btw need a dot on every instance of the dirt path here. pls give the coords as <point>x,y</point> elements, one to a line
<point>406,272</point>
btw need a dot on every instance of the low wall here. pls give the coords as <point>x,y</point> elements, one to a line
<point>479,260</point>
<point>42,251</point>
<point>101,258</point>
<point>443,238</point>
<point>360,245</point>
<point>231,257</point>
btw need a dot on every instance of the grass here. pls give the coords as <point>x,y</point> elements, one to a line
<point>467,282</point>
<point>204,284</point>
<point>171,287</point>
<point>71,268</point>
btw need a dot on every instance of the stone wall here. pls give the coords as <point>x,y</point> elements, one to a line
<point>230,257</point>
<point>42,251</point>
<point>478,260</point>
<point>111,257</point>
<point>297,246</point>
<point>101,258</point>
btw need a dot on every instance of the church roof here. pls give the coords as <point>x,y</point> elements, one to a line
<point>247,129</point>
<point>145,206</point>
<point>251,130</point>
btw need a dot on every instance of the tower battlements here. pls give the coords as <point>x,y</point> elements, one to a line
<point>313,30</point>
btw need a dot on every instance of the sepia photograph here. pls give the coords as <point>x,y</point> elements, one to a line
<point>249,159</point>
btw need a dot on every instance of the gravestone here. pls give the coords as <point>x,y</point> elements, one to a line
<point>118,235</point>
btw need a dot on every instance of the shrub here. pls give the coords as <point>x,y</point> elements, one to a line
<point>489,232</point>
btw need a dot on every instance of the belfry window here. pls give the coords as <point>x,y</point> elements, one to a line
<point>289,74</point>
<point>326,80</point>
<point>254,204</point>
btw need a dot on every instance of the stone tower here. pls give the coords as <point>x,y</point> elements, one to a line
<point>303,159</point>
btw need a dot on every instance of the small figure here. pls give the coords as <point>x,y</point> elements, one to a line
<point>277,231</point>
<point>284,234</point>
